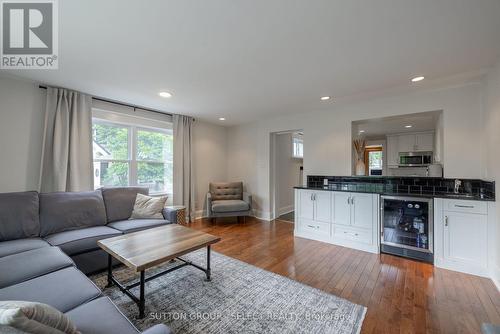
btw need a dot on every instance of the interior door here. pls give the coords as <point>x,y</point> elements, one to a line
<point>465,237</point>
<point>341,208</point>
<point>362,210</point>
<point>306,203</point>
<point>322,206</point>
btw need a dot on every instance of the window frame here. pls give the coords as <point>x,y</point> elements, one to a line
<point>297,141</point>
<point>111,118</point>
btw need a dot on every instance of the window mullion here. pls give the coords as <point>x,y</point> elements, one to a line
<point>133,155</point>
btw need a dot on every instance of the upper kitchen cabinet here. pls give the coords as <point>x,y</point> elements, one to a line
<point>416,142</point>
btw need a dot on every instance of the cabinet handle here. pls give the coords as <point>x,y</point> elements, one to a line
<point>312,226</point>
<point>349,200</point>
<point>314,197</point>
<point>464,206</point>
<point>352,200</point>
<point>445,220</point>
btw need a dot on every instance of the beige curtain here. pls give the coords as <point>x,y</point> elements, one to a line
<point>183,164</point>
<point>67,142</point>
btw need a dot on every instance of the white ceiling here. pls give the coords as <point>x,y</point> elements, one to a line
<point>376,128</point>
<point>246,59</point>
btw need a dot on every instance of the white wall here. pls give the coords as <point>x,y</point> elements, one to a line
<point>327,150</point>
<point>492,139</point>
<point>287,173</point>
<point>209,158</point>
<point>22,106</point>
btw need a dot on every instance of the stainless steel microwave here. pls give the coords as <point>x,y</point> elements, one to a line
<point>415,159</point>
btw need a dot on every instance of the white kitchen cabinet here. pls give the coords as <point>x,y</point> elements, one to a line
<point>411,142</point>
<point>343,218</point>
<point>464,238</point>
<point>464,233</point>
<point>362,210</point>
<point>424,142</point>
<point>406,143</point>
<point>306,209</point>
<point>392,151</point>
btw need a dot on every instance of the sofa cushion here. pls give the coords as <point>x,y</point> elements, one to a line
<point>100,316</point>
<point>226,190</point>
<point>32,317</point>
<point>64,211</point>
<point>24,266</point>
<point>19,215</point>
<point>82,240</point>
<point>133,225</point>
<point>119,201</point>
<point>21,245</point>
<point>64,289</point>
<point>229,206</point>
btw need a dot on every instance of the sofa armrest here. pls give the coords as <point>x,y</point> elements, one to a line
<point>158,329</point>
<point>170,214</point>
<point>247,197</point>
<point>209,204</point>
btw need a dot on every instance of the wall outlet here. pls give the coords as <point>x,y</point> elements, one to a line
<point>325,182</point>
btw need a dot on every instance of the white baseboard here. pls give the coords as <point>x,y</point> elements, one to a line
<point>495,276</point>
<point>286,209</point>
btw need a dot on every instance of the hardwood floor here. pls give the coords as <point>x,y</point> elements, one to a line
<point>402,296</point>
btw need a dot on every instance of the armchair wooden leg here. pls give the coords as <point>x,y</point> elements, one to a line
<point>213,220</point>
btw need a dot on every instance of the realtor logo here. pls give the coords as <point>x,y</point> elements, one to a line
<point>29,34</point>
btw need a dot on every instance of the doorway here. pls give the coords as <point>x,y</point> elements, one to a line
<point>286,172</point>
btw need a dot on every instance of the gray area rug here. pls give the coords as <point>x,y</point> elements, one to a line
<point>241,298</point>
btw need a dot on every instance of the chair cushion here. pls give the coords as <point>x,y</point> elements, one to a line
<point>64,289</point>
<point>229,206</point>
<point>82,240</point>
<point>133,225</point>
<point>64,211</point>
<point>19,215</point>
<point>100,316</point>
<point>24,266</point>
<point>226,190</point>
<point>119,201</point>
<point>21,245</point>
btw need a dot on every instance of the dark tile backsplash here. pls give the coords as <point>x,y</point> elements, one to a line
<point>404,185</point>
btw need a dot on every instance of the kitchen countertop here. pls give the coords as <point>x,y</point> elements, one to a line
<point>373,189</point>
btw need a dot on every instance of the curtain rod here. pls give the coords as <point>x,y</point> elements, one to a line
<point>123,104</point>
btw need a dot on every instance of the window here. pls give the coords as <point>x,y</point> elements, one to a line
<point>131,155</point>
<point>298,146</point>
<point>374,160</point>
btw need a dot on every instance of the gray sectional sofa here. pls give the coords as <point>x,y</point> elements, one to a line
<point>48,242</point>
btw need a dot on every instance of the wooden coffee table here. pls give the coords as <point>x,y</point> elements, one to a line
<point>145,249</point>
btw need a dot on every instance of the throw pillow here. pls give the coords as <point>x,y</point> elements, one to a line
<point>31,317</point>
<point>147,207</point>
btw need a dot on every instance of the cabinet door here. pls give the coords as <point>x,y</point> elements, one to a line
<point>392,151</point>
<point>306,204</point>
<point>406,143</point>
<point>465,238</point>
<point>341,208</point>
<point>362,210</point>
<point>322,206</point>
<point>425,142</point>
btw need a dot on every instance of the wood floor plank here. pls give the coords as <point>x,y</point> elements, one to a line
<point>402,295</point>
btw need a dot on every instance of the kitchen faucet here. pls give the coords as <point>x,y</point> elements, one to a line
<point>458,183</point>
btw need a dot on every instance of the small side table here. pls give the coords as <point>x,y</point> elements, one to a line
<point>181,213</point>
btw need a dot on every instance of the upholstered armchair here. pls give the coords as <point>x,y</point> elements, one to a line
<point>227,199</point>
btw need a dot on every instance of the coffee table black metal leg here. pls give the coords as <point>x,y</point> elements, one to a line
<point>208,264</point>
<point>142,300</point>
<point>110,271</point>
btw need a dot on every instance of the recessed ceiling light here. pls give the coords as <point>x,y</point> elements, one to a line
<point>417,79</point>
<point>361,131</point>
<point>325,98</point>
<point>222,119</point>
<point>408,126</point>
<point>166,95</point>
